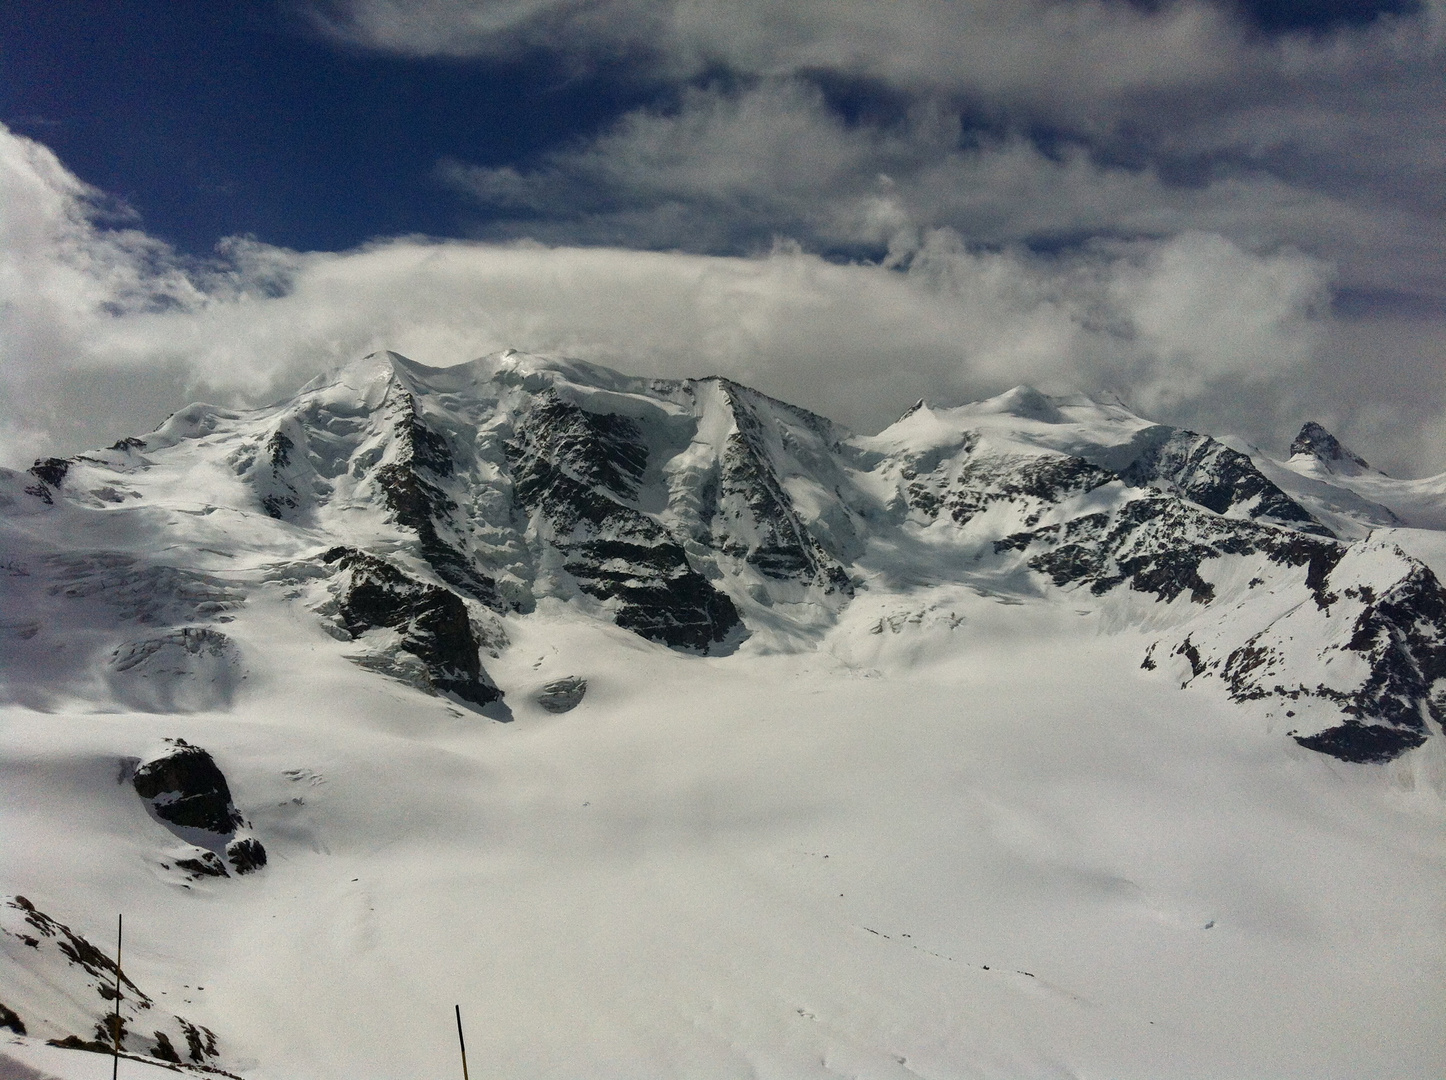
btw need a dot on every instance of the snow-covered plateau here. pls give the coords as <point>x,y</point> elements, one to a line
<point>670,731</point>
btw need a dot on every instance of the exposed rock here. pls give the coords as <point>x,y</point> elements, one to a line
<point>1362,743</point>
<point>1315,441</point>
<point>11,1020</point>
<point>1371,653</point>
<point>60,987</point>
<point>432,622</point>
<point>282,496</point>
<point>575,470</point>
<point>1207,472</point>
<point>562,695</point>
<point>185,787</point>
<point>187,792</point>
<point>51,470</point>
<point>246,854</point>
<point>1156,545</point>
<point>416,499</point>
<point>777,543</point>
<point>1038,482</point>
<point>203,864</point>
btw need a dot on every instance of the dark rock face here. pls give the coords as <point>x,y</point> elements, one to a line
<point>562,695</point>
<point>601,451</point>
<point>1209,473</point>
<point>282,496</point>
<point>51,474</point>
<point>780,546</point>
<point>164,1050</point>
<point>1046,480</point>
<point>245,854</point>
<point>1156,545</point>
<point>577,470</point>
<point>1401,634</point>
<point>1319,443</point>
<point>10,1020</point>
<point>412,487</point>
<point>186,788</point>
<point>1361,743</point>
<point>51,470</point>
<point>433,622</point>
<point>204,864</point>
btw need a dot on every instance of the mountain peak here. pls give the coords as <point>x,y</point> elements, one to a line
<point>1024,402</point>
<point>1316,442</point>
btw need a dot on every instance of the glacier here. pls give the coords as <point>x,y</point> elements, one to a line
<point>674,730</point>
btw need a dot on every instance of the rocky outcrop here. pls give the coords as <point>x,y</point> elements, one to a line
<point>1224,481</point>
<point>51,470</point>
<point>1315,441</point>
<point>964,489</point>
<point>1391,637</point>
<point>412,487</point>
<point>280,497</point>
<point>184,789</point>
<point>562,695</point>
<point>1366,643</point>
<point>1157,545</point>
<point>58,986</point>
<point>432,624</point>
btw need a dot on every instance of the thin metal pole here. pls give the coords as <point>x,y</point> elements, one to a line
<point>115,1061</point>
<point>460,1042</point>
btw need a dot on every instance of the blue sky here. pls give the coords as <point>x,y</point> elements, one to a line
<point>1231,212</point>
<point>213,119</point>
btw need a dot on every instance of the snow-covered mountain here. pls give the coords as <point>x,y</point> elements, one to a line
<point>400,545</point>
<point>418,506</point>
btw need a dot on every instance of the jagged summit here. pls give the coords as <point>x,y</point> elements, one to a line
<point>1316,442</point>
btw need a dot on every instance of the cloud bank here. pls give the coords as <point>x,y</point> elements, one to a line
<point>106,329</point>
<point>1136,168</point>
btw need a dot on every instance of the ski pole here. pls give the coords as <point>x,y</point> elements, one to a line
<point>460,1042</point>
<point>115,1057</point>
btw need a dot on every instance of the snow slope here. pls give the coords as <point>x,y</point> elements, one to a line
<point>867,777</point>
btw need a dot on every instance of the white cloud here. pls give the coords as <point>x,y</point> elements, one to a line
<point>1078,57</point>
<point>100,326</point>
<point>728,171</point>
<point>1077,51</point>
<point>1209,187</point>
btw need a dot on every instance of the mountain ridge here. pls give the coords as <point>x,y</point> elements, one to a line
<point>699,514</point>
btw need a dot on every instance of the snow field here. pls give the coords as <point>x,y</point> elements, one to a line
<point>761,865</point>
